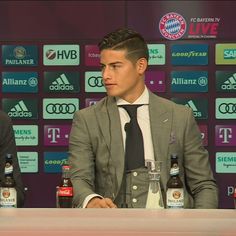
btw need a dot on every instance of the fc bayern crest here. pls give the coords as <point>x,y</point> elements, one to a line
<point>172,26</point>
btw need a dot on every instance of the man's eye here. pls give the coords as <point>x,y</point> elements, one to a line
<point>114,66</point>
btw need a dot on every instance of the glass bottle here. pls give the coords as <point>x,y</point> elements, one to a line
<point>175,191</point>
<point>8,194</point>
<point>154,196</point>
<point>65,189</point>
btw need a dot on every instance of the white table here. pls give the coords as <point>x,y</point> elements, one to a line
<point>122,222</point>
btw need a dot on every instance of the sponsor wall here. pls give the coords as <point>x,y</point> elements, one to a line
<point>50,68</point>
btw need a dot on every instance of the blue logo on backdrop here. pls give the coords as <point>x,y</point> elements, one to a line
<point>189,81</point>
<point>19,82</point>
<point>54,160</point>
<point>15,55</point>
<point>189,54</point>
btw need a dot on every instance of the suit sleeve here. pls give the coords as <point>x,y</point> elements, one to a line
<point>8,145</point>
<point>199,176</point>
<point>81,159</point>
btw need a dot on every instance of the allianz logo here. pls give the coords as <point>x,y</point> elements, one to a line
<point>32,82</point>
<point>202,81</point>
<point>230,83</point>
<point>196,112</point>
<point>20,110</point>
<point>61,83</point>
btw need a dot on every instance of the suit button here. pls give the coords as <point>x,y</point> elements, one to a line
<point>134,200</point>
<point>135,173</point>
<point>135,187</point>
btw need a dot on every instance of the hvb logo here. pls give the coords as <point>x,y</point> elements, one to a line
<point>61,55</point>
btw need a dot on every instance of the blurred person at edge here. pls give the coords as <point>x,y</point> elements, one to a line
<point>8,145</point>
<point>97,138</point>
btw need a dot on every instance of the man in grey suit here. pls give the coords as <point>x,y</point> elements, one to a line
<point>8,146</point>
<point>97,138</point>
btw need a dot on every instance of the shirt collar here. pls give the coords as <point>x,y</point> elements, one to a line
<point>143,99</point>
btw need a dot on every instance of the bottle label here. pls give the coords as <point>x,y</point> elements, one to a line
<point>65,192</point>
<point>8,169</point>
<point>8,197</point>
<point>175,198</point>
<point>174,170</point>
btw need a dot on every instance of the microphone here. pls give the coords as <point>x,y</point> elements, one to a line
<point>126,127</point>
<point>124,184</point>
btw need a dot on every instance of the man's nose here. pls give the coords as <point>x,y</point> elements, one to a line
<point>106,73</point>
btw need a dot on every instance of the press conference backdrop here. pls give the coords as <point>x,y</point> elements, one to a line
<point>50,68</point>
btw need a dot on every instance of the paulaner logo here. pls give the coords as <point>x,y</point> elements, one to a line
<point>14,55</point>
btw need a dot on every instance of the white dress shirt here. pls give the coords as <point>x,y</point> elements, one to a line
<point>143,121</point>
<point>144,124</point>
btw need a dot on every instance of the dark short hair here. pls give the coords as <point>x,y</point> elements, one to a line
<point>126,39</point>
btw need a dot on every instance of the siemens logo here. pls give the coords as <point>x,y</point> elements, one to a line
<point>227,159</point>
<point>26,135</point>
<point>23,132</point>
<point>226,162</point>
<point>230,54</point>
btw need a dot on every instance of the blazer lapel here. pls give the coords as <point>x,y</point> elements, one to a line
<point>109,121</point>
<point>161,123</point>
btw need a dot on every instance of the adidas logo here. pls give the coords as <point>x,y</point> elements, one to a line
<point>230,83</point>
<point>191,105</point>
<point>20,110</point>
<point>61,83</point>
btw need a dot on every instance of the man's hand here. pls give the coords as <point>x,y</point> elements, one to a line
<point>97,202</point>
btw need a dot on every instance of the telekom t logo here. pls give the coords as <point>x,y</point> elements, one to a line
<point>225,135</point>
<point>53,134</point>
<point>56,135</point>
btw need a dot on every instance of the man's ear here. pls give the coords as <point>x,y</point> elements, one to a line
<point>142,65</point>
